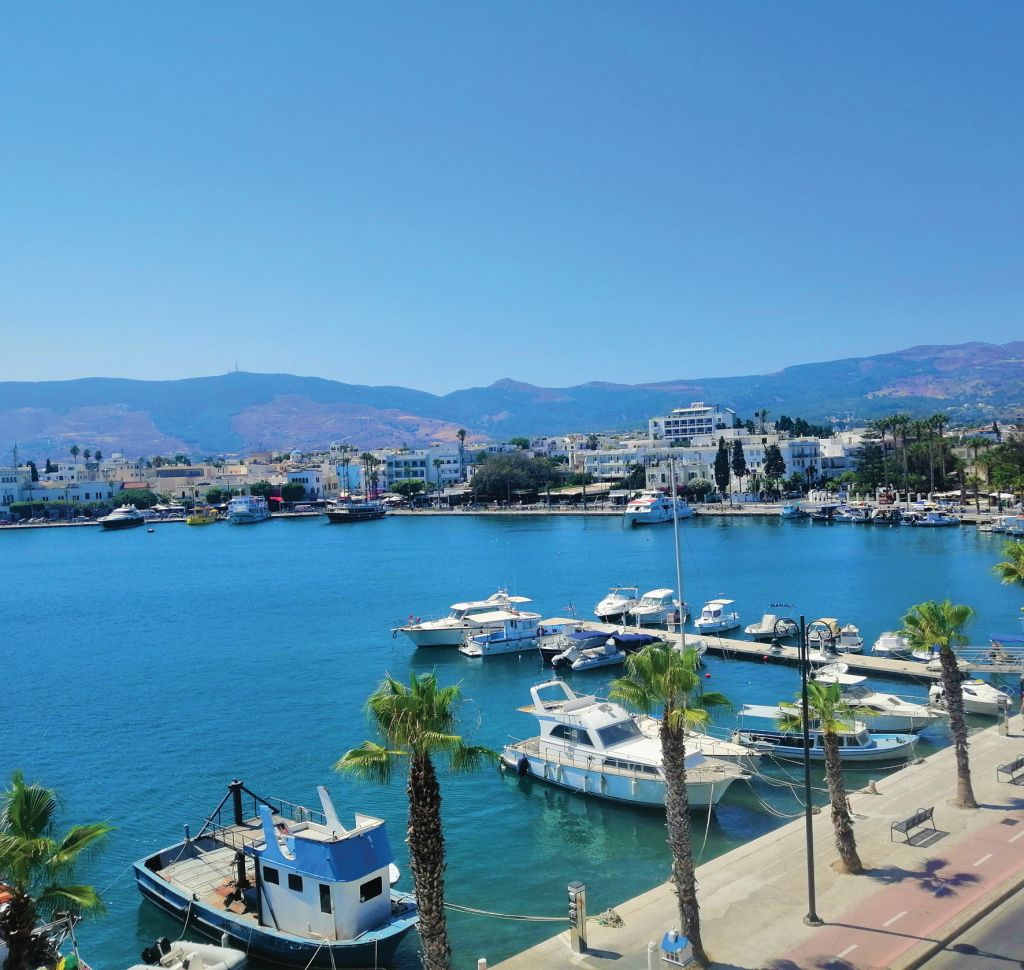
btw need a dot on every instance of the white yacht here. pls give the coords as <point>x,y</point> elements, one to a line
<point>888,712</point>
<point>451,630</point>
<point>596,747</point>
<point>716,617</point>
<point>652,508</point>
<point>772,627</point>
<point>850,640</point>
<point>979,696</point>
<point>656,607</point>
<point>617,603</point>
<point>248,509</point>
<point>503,631</point>
<point>892,645</point>
<point>125,517</point>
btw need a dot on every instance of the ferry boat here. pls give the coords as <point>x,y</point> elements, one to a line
<point>125,517</point>
<point>617,603</point>
<point>651,507</point>
<point>201,515</point>
<point>656,607</point>
<point>855,745</point>
<point>597,748</point>
<point>290,885</point>
<point>355,510</point>
<point>504,631</point>
<point>979,697</point>
<point>451,630</point>
<point>716,617</point>
<point>248,509</point>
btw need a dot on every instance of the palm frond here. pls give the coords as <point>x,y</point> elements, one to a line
<point>467,758</point>
<point>370,762</point>
<point>27,810</point>
<point>78,899</point>
<point>79,840</point>
<point>1011,570</point>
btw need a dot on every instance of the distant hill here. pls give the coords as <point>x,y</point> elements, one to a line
<point>241,411</point>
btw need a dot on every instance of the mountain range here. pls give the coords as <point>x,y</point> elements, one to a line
<point>242,411</point>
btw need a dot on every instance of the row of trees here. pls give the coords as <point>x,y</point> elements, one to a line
<point>730,465</point>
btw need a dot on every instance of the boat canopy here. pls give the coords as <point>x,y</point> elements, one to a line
<point>831,623</point>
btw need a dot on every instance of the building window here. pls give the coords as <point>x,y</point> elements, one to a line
<point>325,898</point>
<point>295,882</point>
<point>371,890</point>
<point>271,875</point>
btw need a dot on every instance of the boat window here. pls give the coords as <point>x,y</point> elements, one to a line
<point>325,898</point>
<point>271,875</point>
<point>295,882</point>
<point>617,733</point>
<point>571,734</point>
<point>371,890</point>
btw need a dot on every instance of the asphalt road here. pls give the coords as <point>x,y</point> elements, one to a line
<point>994,943</point>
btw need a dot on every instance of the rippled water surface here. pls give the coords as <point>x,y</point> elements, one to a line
<point>142,671</point>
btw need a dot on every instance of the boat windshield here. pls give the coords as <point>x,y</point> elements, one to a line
<point>617,733</point>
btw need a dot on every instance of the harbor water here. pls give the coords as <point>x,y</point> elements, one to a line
<point>143,671</point>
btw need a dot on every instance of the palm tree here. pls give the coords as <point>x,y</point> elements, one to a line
<point>36,863</point>
<point>416,721</point>
<point>939,422</point>
<point>74,451</point>
<point>437,463</point>
<point>762,416</point>
<point>832,714</point>
<point>659,676</point>
<point>900,424</point>
<point>461,435</point>
<point>934,624</point>
<point>1011,571</point>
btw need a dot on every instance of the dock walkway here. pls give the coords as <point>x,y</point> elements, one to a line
<point>915,898</point>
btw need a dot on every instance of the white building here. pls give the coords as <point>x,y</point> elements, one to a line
<point>691,422</point>
<point>13,482</point>
<point>420,464</point>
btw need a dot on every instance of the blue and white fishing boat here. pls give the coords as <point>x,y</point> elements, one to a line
<point>504,631</point>
<point>855,745</point>
<point>291,885</point>
<point>792,511</point>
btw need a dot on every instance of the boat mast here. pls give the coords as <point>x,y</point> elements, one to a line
<point>679,567</point>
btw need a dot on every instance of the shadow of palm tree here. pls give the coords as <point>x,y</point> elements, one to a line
<point>930,877</point>
<point>824,963</point>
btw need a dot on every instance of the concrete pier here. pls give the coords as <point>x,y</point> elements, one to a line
<point>915,898</point>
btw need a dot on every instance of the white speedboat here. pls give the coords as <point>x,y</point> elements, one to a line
<point>652,508</point>
<point>771,626</point>
<point>606,654</point>
<point>892,645</point>
<point>451,630</point>
<point>855,745</point>
<point>125,517</point>
<point>248,509</point>
<point>656,607</point>
<point>850,640</point>
<point>979,697</point>
<point>597,748</point>
<point>186,955</point>
<point>616,604</point>
<point>555,639</point>
<point>504,631</point>
<point>880,712</point>
<point>716,617</point>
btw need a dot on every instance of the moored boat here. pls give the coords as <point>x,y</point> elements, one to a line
<point>934,520</point>
<point>792,511</point>
<point>892,645</point>
<point>186,955</point>
<point>355,510</point>
<point>201,515</point>
<point>451,630</point>
<point>850,640</point>
<point>716,617</point>
<point>248,509</point>
<point>124,517</point>
<point>771,626</point>
<point>605,654</point>
<point>504,631</point>
<point>290,885</point>
<point>979,697</point>
<point>619,601</point>
<point>652,508</point>
<point>656,607</point>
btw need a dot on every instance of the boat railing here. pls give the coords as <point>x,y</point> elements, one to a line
<point>223,825</point>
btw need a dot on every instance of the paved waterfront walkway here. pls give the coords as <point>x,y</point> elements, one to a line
<point>915,896</point>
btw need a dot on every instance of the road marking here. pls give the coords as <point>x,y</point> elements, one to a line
<point>847,951</point>
<point>889,922</point>
<point>1019,835</point>
<point>984,858</point>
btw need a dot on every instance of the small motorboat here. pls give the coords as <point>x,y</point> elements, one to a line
<point>619,601</point>
<point>850,640</point>
<point>589,658</point>
<point>185,955</point>
<point>934,520</point>
<point>823,634</point>
<point>824,513</point>
<point>552,642</point>
<point>716,617</point>
<point>792,512</point>
<point>979,697</point>
<point>771,626</point>
<point>656,607</point>
<point>891,645</point>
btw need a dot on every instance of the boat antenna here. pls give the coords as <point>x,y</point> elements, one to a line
<point>679,567</point>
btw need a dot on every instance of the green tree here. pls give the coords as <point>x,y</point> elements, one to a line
<point>659,677</point>
<point>292,491</point>
<point>832,715</point>
<point>762,417</point>
<point>214,496</point>
<point>721,467</point>
<point>141,498</point>
<point>774,466</point>
<point>461,435</point>
<point>87,454</point>
<point>417,723</point>
<point>37,863</point>
<point>501,475</point>
<point>262,487</point>
<point>592,442</point>
<point>637,478</point>
<point>934,624</point>
<point>738,461</point>
<point>1011,570</point>
<point>50,466</point>
<point>521,443</point>
<point>409,487</point>
<point>98,455</point>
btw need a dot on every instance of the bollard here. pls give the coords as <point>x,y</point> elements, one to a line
<point>577,917</point>
<point>652,955</point>
<point>481,964</point>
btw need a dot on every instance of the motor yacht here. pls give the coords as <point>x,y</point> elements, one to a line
<point>850,640</point>
<point>617,604</point>
<point>879,711</point>
<point>450,631</point>
<point>892,645</point>
<point>716,617</point>
<point>125,517</point>
<point>504,631</point>
<point>652,508</point>
<point>248,509</point>
<point>355,510</point>
<point>771,626</point>
<point>979,697</point>
<point>656,607</point>
<point>596,747</point>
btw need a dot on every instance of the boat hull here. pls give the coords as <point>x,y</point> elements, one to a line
<point>374,950</point>
<point>354,515</point>
<point>493,648</point>
<point>246,518</point>
<point>119,524</point>
<point>446,637</point>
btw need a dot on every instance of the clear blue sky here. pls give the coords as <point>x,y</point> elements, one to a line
<point>442,194</point>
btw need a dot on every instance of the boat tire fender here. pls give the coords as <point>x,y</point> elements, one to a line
<point>523,766</point>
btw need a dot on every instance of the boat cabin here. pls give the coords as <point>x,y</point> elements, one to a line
<point>506,625</point>
<point>714,609</point>
<point>658,597</point>
<point>771,734</point>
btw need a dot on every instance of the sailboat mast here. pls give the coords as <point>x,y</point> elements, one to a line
<point>679,565</point>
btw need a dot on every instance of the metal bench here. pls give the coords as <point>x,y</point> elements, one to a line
<point>917,820</point>
<point>1010,768</point>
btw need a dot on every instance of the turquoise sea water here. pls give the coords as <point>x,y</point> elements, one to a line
<point>141,672</point>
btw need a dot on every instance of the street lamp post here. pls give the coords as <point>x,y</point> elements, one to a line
<point>812,918</point>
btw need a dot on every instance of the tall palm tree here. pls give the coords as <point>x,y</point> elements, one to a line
<point>461,435</point>
<point>934,624</point>
<point>832,714</point>
<point>416,721</point>
<point>900,425</point>
<point>939,422</point>
<point>74,451</point>
<point>37,863</point>
<point>1011,570</point>
<point>662,677</point>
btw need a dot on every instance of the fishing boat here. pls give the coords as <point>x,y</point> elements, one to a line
<point>504,631</point>
<point>934,520</point>
<point>886,516</point>
<point>855,745</point>
<point>290,885</point>
<point>201,515</point>
<point>656,607</point>
<point>248,510</point>
<point>124,517</point>
<point>451,630</point>
<point>186,955</point>
<point>716,617</point>
<point>619,601</point>
<point>597,748</point>
<point>651,507</point>
<point>355,510</point>
<point>771,626</point>
<point>823,513</point>
<point>979,697</point>
<point>792,511</point>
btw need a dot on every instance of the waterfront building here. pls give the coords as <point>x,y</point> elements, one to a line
<point>71,492</point>
<point>419,464</point>
<point>691,422</point>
